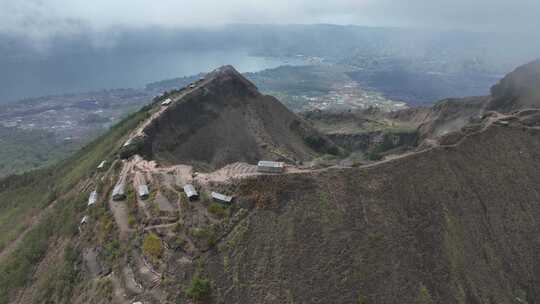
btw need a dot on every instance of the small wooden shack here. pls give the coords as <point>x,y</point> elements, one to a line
<point>142,187</point>
<point>92,199</point>
<point>119,193</point>
<point>102,165</point>
<point>166,102</point>
<point>221,198</point>
<point>143,191</point>
<point>265,166</point>
<point>190,192</point>
<point>128,142</point>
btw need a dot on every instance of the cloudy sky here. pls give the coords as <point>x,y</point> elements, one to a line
<point>41,18</point>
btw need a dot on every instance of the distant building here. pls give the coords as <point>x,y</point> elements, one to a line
<point>270,167</point>
<point>92,199</point>
<point>166,102</point>
<point>128,142</point>
<point>222,198</point>
<point>143,192</point>
<point>102,165</point>
<point>191,193</point>
<point>119,193</point>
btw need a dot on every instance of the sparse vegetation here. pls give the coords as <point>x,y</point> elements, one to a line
<point>207,233</point>
<point>32,191</point>
<point>361,299</point>
<point>152,246</point>
<point>178,243</point>
<point>16,270</point>
<point>58,286</point>
<point>24,150</point>
<point>374,155</point>
<point>132,207</point>
<point>423,296</point>
<point>105,288</point>
<point>171,195</point>
<point>112,251</point>
<point>199,289</point>
<point>218,210</point>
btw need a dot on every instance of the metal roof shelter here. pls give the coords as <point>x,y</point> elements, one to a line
<point>142,187</point>
<point>222,198</point>
<point>191,193</point>
<point>92,199</point>
<point>143,192</point>
<point>270,167</point>
<point>128,142</point>
<point>166,102</point>
<point>102,165</point>
<point>119,193</point>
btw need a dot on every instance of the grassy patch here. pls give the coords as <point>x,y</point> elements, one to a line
<point>105,288</point>
<point>60,282</point>
<point>16,271</point>
<point>208,233</point>
<point>199,289</point>
<point>218,210</point>
<point>423,296</point>
<point>132,207</point>
<point>152,246</point>
<point>33,191</point>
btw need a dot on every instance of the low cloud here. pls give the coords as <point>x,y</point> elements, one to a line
<point>39,19</point>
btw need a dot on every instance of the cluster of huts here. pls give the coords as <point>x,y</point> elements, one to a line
<point>143,192</point>
<point>193,195</point>
<point>119,190</point>
<point>263,167</point>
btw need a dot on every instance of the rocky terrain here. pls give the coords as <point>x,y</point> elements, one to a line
<point>224,119</point>
<point>76,119</point>
<point>444,208</point>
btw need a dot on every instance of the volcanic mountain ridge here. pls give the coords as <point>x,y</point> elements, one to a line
<point>223,119</point>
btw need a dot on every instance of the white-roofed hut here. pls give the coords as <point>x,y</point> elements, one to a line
<point>143,191</point>
<point>119,192</point>
<point>92,199</point>
<point>102,165</point>
<point>166,102</point>
<point>221,198</point>
<point>265,166</point>
<point>190,192</point>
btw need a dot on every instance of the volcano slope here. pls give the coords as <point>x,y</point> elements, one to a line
<point>454,224</point>
<point>519,90</point>
<point>224,119</point>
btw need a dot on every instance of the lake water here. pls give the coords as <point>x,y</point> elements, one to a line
<point>97,71</point>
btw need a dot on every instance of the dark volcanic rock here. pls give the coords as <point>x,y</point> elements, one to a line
<point>224,119</point>
<point>518,90</point>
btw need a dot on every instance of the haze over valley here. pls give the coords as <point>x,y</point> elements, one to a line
<point>285,151</point>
